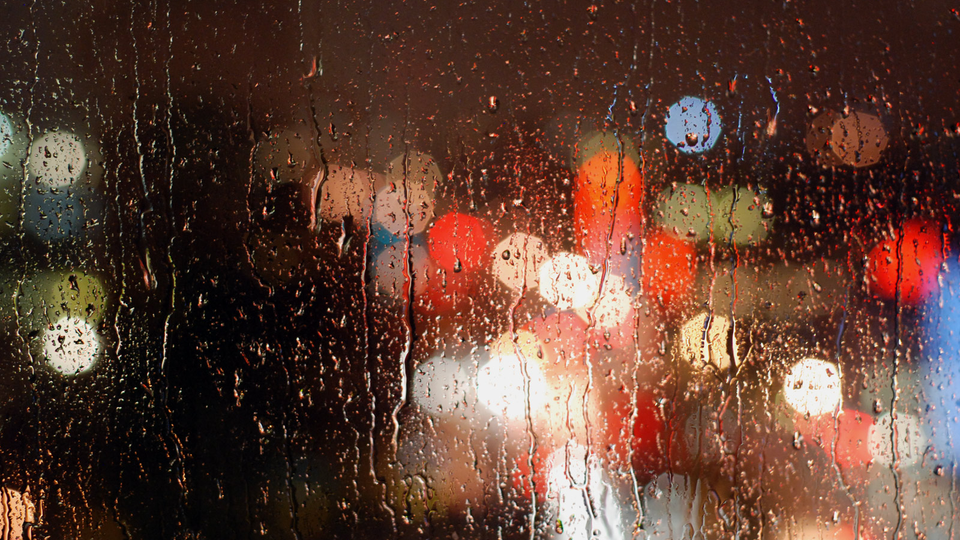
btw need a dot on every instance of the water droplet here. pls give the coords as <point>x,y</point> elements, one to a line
<point>505,254</point>
<point>768,210</point>
<point>692,139</point>
<point>938,470</point>
<point>457,265</point>
<point>797,440</point>
<point>877,406</point>
<point>559,527</point>
<point>493,104</point>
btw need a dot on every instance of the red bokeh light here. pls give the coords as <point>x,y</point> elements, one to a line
<point>459,238</point>
<point>609,190</point>
<point>909,261</point>
<point>668,267</point>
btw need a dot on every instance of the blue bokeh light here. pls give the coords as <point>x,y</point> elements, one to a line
<point>693,125</point>
<point>942,380</point>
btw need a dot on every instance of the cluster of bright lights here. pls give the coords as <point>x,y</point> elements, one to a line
<point>733,213</point>
<point>812,387</point>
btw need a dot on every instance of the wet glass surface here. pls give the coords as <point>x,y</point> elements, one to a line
<point>305,270</point>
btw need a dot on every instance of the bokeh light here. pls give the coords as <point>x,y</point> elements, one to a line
<point>583,500</point>
<point>347,192</point>
<point>742,215</point>
<point>845,437</point>
<point>607,196</point>
<point>685,211</point>
<point>819,139</point>
<point>398,266</point>
<point>517,260</point>
<point>57,159</point>
<point>705,342</point>
<point>907,263</point>
<point>693,125</point>
<point>668,268</point>
<point>400,207</point>
<point>13,145</point>
<point>911,436</point>
<point>441,386</point>
<point>418,169</point>
<point>568,282</point>
<point>858,139</point>
<point>812,387</point>
<point>458,242</point>
<point>673,507</point>
<point>614,307</point>
<point>71,346</point>
<point>512,381</point>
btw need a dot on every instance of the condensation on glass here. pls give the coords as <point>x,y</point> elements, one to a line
<point>301,269</point>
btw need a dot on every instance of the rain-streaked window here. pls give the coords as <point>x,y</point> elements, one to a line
<point>666,270</point>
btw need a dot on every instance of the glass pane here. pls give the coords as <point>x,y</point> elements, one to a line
<point>304,269</point>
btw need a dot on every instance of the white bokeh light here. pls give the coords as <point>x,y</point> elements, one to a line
<point>419,170</point>
<point>614,305</point>
<point>440,386</point>
<point>396,208</point>
<point>705,344</point>
<point>502,384</point>
<point>813,387</point>
<point>673,507</point>
<point>71,346</point>
<point>912,440</point>
<point>583,500</point>
<point>57,159</point>
<point>568,282</point>
<point>517,261</point>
